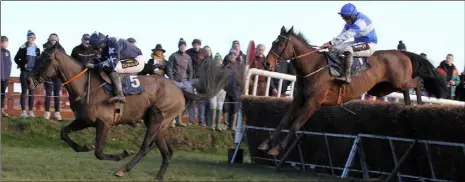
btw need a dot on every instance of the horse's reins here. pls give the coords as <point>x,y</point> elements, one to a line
<point>75,76</point>
<point>300,56</point>
<point>88,83</point>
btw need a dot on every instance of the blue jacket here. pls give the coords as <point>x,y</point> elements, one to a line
<point>6,64</point>
<point>362,30</point>
<point>116,50</point>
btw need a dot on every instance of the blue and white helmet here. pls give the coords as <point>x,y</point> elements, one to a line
<point>348,9</point>
<point>97,40</point>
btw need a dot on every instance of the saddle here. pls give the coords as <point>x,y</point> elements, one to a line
<point>336,64</point>
<point>107,79</point>
<point>130,83</point>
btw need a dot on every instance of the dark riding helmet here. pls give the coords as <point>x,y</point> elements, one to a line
<point>97,40</point>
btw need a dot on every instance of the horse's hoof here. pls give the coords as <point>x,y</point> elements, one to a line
<point>274,151</point>
<point>159,178</point>
<point>119,173</point>
<point>264,146</point>
<point>86,148</point>
<point>129,152</point>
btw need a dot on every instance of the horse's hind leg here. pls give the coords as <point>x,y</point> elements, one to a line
<point>153,124</point>
<point>305,112</point>
<point>265,145</point>
<point>405,87</point>
<point>166,153</point>
<point>418,91</point>
<point>407,100</point>
<point>102,130</point>
<point>75,125</point>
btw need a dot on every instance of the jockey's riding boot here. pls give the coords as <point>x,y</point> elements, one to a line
<point>212,118</point>
<point>118,89</point>
<point>348,59</point>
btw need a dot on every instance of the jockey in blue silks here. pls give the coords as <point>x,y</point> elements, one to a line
<point>359,27</point>
<point>112,50</point>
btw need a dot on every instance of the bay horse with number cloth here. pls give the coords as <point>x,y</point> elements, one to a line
<point>159,103</point>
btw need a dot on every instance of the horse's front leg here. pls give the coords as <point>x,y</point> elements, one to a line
<point>407,100</point>
<point>418,91</point>
<point>305,112</point>
<point>76,125</point>
<point>102,130</point>
<point>288,118</point>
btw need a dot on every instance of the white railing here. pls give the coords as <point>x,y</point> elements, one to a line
<point>269,75</point>
<point>274,75</point>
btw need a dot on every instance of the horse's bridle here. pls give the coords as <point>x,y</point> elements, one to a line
<point>279,57</point>
<point>40,78</point>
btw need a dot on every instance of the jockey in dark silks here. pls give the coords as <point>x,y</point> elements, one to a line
<point>112,50</point>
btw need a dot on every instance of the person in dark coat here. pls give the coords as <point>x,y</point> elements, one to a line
<point>25,58</point>
<point>5,70</point>
<point>157,64</point>
<point>241,58</point>
<point>233,88</point>
<point>198,56</point>
<point>179,70</point>
<point>401,46</point>
<point>53,84</point>
<point>82,52</point>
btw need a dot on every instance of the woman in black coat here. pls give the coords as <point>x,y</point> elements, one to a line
<point>52,84</point>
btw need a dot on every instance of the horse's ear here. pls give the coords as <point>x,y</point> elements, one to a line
<point>291,30</point>
<point>283,30</point>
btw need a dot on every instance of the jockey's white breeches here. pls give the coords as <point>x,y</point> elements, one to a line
<point>135,69</point>
<point>355,48</point>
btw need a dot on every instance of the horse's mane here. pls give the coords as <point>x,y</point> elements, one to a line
<point>55,48</point>
<point>301,37</point>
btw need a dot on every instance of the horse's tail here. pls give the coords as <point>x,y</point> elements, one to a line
<point>210,82</point>
<point>189,96</point>
<point>433,81</point>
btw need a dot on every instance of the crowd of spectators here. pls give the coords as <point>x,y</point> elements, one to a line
<point>455,80</point>
<point>219,113</point>
<point>183,66</point>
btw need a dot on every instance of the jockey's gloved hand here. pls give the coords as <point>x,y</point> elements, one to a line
<point>326,45</point>
<point>95,59</point>
<point>90,65</point>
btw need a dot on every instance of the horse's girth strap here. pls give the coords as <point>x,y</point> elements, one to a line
<point>340,94</point>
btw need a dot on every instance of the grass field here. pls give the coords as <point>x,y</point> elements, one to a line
<point>33,151</point>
